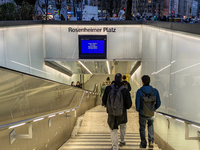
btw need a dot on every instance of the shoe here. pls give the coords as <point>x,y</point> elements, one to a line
<point>121,144</point>
<point>150,144</point>
<point>142,146</point>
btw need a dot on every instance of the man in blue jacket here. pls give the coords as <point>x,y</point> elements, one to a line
<point>148,90</point>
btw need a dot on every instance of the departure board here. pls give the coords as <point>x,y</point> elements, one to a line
<point>92,46</point>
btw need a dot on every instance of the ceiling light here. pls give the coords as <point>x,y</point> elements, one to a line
<point>108,67</point>
<point>85,67</point>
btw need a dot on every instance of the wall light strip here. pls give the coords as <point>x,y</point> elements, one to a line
<point>67,111</point>
<point>173,62</point>
<point>136,70</point>
<point>161,69</point>
<point>38,119</point>
<point>108,67</point>
<point>180,120</point>
<point>186,68</point>
<point>61,113</point>
<point>17,125</point>
<point>168,116</point>
<point>73,109</point>
<point>85,67</point>
<point>196,126</point>
<point>159,114</point>
<point>29,67</point>
<point>52,116</point>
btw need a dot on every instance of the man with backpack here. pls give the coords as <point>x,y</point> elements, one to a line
<point>146,102</point>
<point>126,84</point>
<point>117,99</point>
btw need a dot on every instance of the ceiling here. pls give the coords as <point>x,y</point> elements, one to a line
<point>98,67</point>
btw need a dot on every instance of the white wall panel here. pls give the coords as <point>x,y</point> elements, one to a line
<point>53,44</point>
<point>17,48</point>
<point>115,43</point>
<point>172,60</point>
<point>2,49</point>
<point>122,44</point>
<point>35,37</point>
<point>69,43</point>
<point>185,73</point>
<point>161,75</point>
<point>136,83</point>
<point>132,41</point>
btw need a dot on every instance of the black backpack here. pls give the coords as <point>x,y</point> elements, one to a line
<point>115,103</point>
<point>125,85</point>
<point>149,102</point>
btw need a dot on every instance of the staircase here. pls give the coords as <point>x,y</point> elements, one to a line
<point>94,133</point>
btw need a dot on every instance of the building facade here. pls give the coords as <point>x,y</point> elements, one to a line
<point>144,7</point>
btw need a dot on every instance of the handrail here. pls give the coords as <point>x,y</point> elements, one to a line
<point>184,120</point>
<point>187,122</point>
<point>95,87</point>
<point>34,119</point>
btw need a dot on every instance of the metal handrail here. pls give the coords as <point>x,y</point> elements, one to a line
<point>6,126</point>
<point>184,120</point>
<point>187,123</point>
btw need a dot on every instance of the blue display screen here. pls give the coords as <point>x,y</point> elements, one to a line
<point>92,46</point>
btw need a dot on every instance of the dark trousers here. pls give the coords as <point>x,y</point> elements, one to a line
<point>142,121</point>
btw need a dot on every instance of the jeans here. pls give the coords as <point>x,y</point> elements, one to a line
<point>114,136</point>
<point>142,121</point>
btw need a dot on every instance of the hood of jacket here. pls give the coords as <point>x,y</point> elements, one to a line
<point>147,89</point>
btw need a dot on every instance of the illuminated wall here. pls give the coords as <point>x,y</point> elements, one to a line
<point>123,41</point>
<point>172,60</point>
<point>22,48</point>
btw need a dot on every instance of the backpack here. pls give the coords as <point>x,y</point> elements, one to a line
<point>125,85</point>
<point>115,103</point>
<point>148,104</point>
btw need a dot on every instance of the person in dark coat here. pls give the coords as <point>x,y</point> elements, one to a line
<point>115,121</point>
<point>126,84</point>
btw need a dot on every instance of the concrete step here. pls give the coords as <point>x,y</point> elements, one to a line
<point>101,141</point>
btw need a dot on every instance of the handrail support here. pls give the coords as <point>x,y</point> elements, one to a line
<point>187,134</point>
<point>71,115</point>
<point>14,136</point>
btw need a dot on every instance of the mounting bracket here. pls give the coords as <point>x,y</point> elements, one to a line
<point>14,136</point>
<point>187,134</point>
<point>71,115</point>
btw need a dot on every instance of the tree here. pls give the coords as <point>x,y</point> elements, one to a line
<point>128,11</point>
<point>44,6</point>
<point>19,2</point>
<point>112,6</point>
<point>25,11</point>
<point>75,3</point>
<point>7,11</point>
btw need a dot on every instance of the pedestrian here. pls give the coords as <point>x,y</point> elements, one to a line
<point>78,84</point>
<point>72,83</point>
<point>108,82</point>
<point>103,87</point>
<point>147,97</point>
<point>113,95</point>
<point>62,17</point>
<point>126,84</point>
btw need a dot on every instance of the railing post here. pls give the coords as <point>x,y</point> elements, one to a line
<point>14,136</point>
<point>187,134</point>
